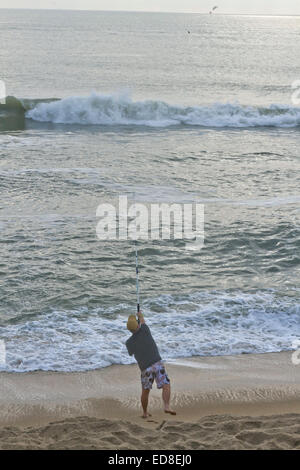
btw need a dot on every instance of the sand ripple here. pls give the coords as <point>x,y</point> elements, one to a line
<point>210,432</point>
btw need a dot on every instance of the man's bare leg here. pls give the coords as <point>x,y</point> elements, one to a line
<point>144,401</point>
<point>166,394</point>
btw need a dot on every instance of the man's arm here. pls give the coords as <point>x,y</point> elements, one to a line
<point>130,352</point>
<point>141,318</point>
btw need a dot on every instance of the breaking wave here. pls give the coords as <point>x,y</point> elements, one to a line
<point>99,109</point>
<point>200,324</point>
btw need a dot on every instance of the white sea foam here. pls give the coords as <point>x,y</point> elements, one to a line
<point>122,110</point>
<point>205,323</point>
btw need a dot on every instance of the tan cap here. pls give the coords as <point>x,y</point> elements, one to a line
<point>132,323</point>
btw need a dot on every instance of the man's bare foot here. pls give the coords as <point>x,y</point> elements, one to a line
<point>146,415</point>
<point>171,412</point>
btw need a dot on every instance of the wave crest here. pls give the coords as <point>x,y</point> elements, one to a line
<point>113,110</point>
<point>99,109</point>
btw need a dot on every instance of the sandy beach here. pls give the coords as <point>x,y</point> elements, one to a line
<point>149,162</point>
<point>229,402</point>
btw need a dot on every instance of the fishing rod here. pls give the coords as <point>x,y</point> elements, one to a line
<point>137,267</point>
<point>137,277</point>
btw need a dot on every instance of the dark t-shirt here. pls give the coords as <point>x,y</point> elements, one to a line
<point>143,346</point>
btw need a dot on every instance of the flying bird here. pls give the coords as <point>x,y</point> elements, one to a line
<point>213,9</point>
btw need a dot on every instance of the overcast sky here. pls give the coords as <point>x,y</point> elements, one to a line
<point>287,7</point>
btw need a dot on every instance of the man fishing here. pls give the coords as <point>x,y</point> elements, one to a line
<point>143,347</point>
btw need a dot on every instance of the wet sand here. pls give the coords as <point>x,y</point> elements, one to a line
<point>231,402</point>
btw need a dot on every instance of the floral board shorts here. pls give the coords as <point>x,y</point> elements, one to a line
<point>158,372</point>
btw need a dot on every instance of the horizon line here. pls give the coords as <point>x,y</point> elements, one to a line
<point>154,11</point>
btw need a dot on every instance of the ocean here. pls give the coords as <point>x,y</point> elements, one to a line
<point>104,104</point>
